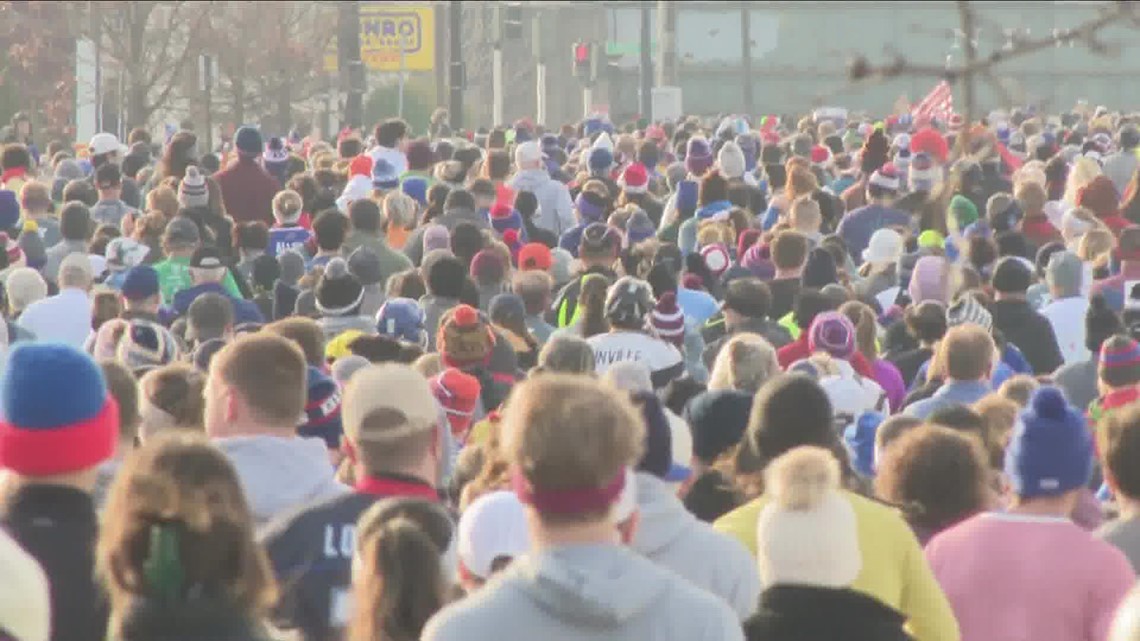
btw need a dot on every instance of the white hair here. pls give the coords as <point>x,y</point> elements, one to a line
<point>744,363</point>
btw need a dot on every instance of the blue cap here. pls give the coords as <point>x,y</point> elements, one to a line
<point>402,319</point>
<point>140,283</point>
<point>384,175</point>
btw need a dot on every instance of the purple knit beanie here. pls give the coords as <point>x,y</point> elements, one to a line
<point>832,332</point>
<point>698,156</point>
<point>930,280</point>
<point>436,236</point>
<point>591,208</point>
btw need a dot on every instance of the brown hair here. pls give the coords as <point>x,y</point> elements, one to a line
<point>268,372</point>
<point>967,352</point>
<point>866,330</point>
<point>999,414</point>
<point>122,386</point>
<point>177,390</point>
<point>801,182</point>
<point>498,164</point>
<point>105,305</point>
<point>570,432</point>
<point>789,250</point>
<point>1019,388</point>
<point>399,543</point>
<point>1118,441</point>
<point>306,333</point>
<point>939,476</point>
<point>180,487</point>
<point>163,199</point>
<point>36,196</point>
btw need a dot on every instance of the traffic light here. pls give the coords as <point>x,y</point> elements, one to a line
<point>513,22</point>
<point>581,60</point>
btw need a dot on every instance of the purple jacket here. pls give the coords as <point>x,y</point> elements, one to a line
<point>889,378</point>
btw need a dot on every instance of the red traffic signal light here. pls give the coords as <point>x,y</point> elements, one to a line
<point>581,53</point>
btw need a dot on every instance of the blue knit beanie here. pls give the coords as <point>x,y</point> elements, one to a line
<point>417,188</point>
<point>1050,452</point>
<point>322,410</point>
<point>601,160</point>
<point>384,175</point>
<point>44,432</point>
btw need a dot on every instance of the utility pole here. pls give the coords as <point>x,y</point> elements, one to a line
<point>666,43</point>
<point>538,44</point>
<point>497,65</point>
<point>456,72</point>
<point>96,11</point>
<point>746,55</point>
<point>646,64</point>
<point>349,63</point>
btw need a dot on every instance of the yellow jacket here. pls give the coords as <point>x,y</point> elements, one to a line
<point>894,568</point>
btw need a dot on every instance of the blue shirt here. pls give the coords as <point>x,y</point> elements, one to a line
<point>244,311</point>
<point>285,238</point>
<point>952,393</point>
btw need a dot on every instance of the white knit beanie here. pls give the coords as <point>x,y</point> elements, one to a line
<point>731,160</point>
<point>806,534</point>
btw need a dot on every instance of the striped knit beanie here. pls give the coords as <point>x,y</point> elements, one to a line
<point>832,332</point>
<point>1120,361</point>
<point>967,310</point>
<point>668,320</point>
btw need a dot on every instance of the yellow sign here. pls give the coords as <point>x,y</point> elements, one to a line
<point>383,28</point>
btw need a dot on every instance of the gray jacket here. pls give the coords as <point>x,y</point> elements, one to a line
<point>670,536</point>
<point>56,253</point>
<point>414,246</point>
<point>434,308</point>
<point>586,593</point>
<point>555,209</point>
<point>280,474</point>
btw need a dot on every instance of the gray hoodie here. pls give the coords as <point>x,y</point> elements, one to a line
<point>280,474</point>
<point>555,208</point>
<point>586,592</point>
<point>670,536</point>
<point>434,308</point>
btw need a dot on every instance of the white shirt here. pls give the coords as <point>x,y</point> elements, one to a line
<point>63,318</point>
<point>394,156</point>
<point>615,347</point>
<point>1067,316</point>
<point>851,395</point>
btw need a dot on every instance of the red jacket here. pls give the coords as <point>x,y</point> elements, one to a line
<point>798,349</point>
<point>247,191</point>
<point>1039,231</point>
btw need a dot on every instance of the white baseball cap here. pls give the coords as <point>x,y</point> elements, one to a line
<point>105,143</point>
<point>492,527</point>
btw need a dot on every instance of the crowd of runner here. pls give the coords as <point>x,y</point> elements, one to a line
<point>775,379</point>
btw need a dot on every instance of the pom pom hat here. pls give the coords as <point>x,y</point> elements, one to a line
<point>635,179</point>
<point>44,433</point>
<point>465,339</point>
<point>1050,452</point>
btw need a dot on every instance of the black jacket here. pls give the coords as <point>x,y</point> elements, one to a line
<point>311,554</point>
<point>57,525</point>
<point>800,613</point>
<point>1030,332</point>
<point>201,619</point>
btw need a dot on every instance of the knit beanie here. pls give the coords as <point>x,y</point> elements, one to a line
<point>504,217</point>
<point>731,160</point>
<point>600,160</point>
<point>967,310</point>
<point>535,256</point>
<point>591,207</point>
<point>45,433</point>
<point>717,420</point>
<point>402,319</point>
<point>668,320</point>
<point>639,228</point>
<point>1119,364</point>
<point>820,269</point>
<point>465,339</point>
<point>923,174</point>
<point>698,156</point>
<point>928,141</point>
<point>716,258</point>
<point>276,156</point>
<point>192,191</point>
<point>1050,451</point>
<point>417,188</point>
<point>635,179</point>
<point>322,410</point>
<point>360,166</point>
<point>458,394</point>
<point>338,292</point>
<point>487,267</point>
<point>745,241</point>
<point>806,534</point>
<point>364,264</point>
<point>146,345</point>
<point>384,176</point>
<point>963,212</point>
<point>930,280</point>
<point>832,332</point>
<point>436,236</point>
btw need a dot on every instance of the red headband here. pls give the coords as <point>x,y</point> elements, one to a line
<point>576,501</point>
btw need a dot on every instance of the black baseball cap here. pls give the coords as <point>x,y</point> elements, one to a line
<point>206,257</point>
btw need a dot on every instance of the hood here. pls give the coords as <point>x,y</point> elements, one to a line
<point>662,517</point>
<point>589,585</point>
<point>278,473</point>
<point>530,180</point>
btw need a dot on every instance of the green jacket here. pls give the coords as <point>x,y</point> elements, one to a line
<point>174,276</point>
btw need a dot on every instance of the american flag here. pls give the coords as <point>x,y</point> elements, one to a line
<point>939,103</point>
